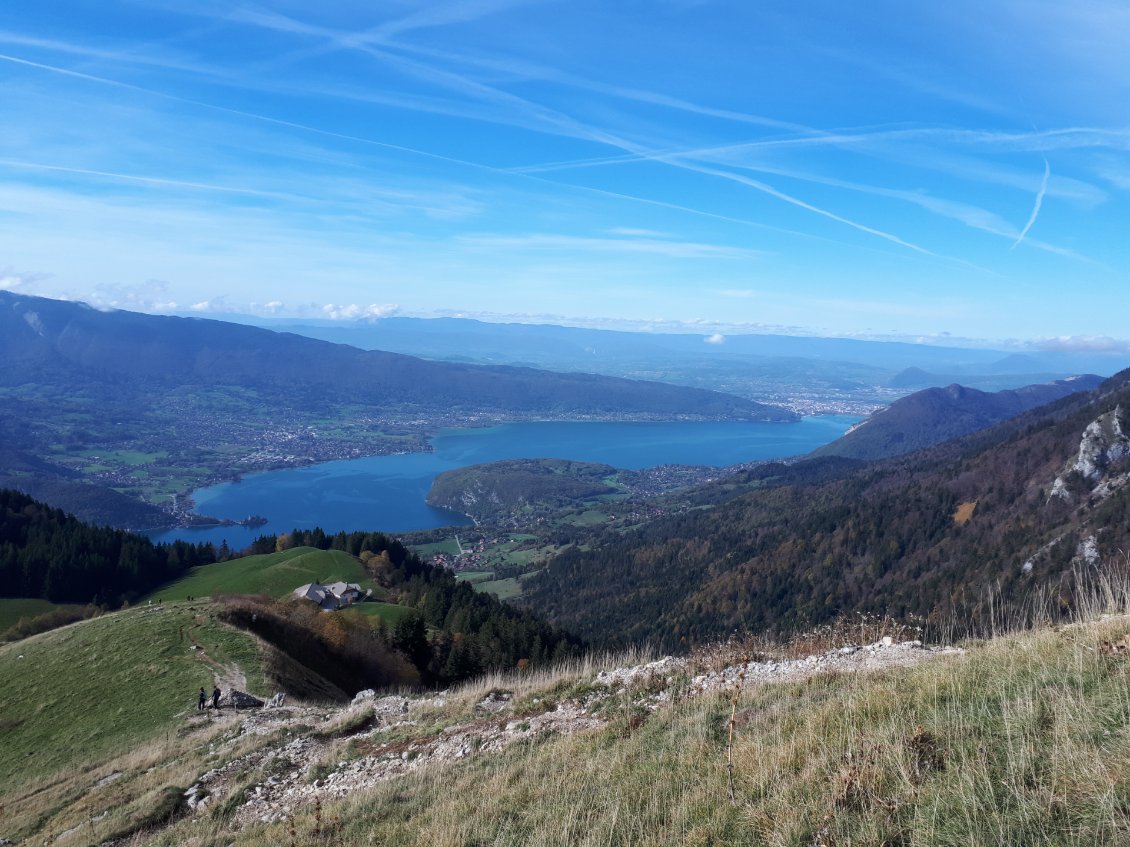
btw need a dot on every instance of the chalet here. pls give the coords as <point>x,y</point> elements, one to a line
<point>346,592</point>
<point>330,597</point>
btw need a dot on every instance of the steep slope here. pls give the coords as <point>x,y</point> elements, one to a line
<point>921,534</point>
<point>935,415</point>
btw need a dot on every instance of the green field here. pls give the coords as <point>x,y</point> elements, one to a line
<point>589,517</point>
<point>426,551</point>
<point>475,577</point>
<point>78,695</point>
<point>504,589</point>
<point>12,610</point>
<point>274,574</point>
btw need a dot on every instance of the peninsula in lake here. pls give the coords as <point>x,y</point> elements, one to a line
<point>148,408</point>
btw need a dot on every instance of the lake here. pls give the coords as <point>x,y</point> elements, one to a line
<point>387,493</point>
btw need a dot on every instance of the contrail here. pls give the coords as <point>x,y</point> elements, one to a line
<point>151,180</point>
<point>1036,208</point>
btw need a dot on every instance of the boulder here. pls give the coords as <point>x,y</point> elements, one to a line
<point>240,700</point>
<point>366,694</point>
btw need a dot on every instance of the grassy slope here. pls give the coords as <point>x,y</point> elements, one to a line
<point>276,574</point>
<point>74,696</point>
<point>12,610</point>
<point>1024,741</point>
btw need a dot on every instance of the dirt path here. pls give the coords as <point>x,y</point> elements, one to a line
<point>227,677</point>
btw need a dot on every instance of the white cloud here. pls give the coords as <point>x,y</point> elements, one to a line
<point>216,304</point>
<point>352,312</point>
<point>13,280</point>
<point>1036,208</point>
<point>716,338</point>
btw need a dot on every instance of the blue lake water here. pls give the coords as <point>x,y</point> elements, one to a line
<point>387,492</point>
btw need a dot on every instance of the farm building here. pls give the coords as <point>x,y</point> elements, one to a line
<point>331,597</point>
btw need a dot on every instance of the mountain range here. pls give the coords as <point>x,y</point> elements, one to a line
<point>44,340</point>
<point>830,374</point>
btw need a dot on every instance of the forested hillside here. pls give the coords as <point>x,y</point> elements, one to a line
<point>926,534</point>
<point>935,415</point>
<point>487,490</point>
<point>452,632</point>
<point>45,552</point>
<point>447,632</point>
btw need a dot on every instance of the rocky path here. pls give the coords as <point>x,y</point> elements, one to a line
<point>300,771</point>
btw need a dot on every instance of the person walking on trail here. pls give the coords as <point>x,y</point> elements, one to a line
<point>216,698</point>
<point>203,699</point>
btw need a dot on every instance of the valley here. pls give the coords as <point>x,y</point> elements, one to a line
<point>523,424</point>
<point>153,407</point>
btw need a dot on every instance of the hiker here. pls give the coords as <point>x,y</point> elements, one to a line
<point>203,699</point>
<point>216,698</point>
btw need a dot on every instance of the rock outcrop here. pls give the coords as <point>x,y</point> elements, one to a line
<point>1104,443</point>
<point>240,700</point>
<point>401,735</point>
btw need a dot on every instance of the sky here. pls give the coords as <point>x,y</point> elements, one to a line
<point>939,171</point>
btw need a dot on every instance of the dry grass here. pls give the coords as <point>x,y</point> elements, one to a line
<point>531,681</point>
<point>96,804</point>
<point>1024,740</point>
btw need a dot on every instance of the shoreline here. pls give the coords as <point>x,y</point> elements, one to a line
<point>731,444</point>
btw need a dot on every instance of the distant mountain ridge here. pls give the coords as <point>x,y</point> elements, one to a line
<point>441,337</point>
<point>934,415</point>
<point>48,339</point>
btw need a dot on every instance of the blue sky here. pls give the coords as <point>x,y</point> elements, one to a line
<point>953,170</point>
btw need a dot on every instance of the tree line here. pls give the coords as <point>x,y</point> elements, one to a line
<point>47,553</point>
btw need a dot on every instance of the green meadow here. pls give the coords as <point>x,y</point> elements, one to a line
<point>75,696</point>
<point>273,574</point>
